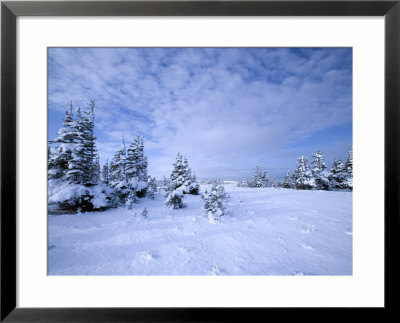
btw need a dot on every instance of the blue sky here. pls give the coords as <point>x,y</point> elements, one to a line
<point>226,109</point>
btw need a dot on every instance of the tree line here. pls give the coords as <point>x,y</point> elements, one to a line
<point>309,176</point>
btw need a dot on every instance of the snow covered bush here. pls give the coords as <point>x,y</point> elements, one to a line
<point>66,196</point>
<point>174,199</point>
<point>214,202</point>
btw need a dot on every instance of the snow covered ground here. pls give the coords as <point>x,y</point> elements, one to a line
<point>269,232</point>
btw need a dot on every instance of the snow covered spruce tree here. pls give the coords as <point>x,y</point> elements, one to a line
<point>136,167</point>
<point>265,179</point>
<point>348,169</point>
<point>117,175</point>
<point>288,180</point>
<point>191,184</point>
<point>152,187</point>
<point>128,172</point>
<point>302,175</point>
<point>165,186</point>
<point>73,165</point>
<point>105,176</point>
<point>337,175</point>
<point>60,156</point>
<point>214,202</point>
<point>257,179</point>
<point>177,181</point>
<point>319,171</point>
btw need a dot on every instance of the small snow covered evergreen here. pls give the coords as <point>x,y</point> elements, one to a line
<point>319,172</point>
<point>302,175</point>
<point>152,187</point>
<point>117,174</point>
<point>337,175</point>
<point>177,181</point>
<point>348,169</point>
<point>191,184</point>
<point>214,202</point>
<point>181,182</point>
<point>257,179</point>
<point>288,181</point>
<point>105,176</point>
<point>128,172</point>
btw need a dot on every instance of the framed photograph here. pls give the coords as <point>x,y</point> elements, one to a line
<point>193,160</point>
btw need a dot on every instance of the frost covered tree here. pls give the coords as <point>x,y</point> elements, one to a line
<point>288,180</point>
<point>165,186</point>
<point>105,177</point>
<point>178,174</point>
<point>257,179</point>
<point>337,175</point>
<point>59,157</point>
<point>302,175</point>
<point>214,201</point>
<point>73,165</point>
<point>319,171</point>
<point>177,181</point>
<point>194,187</point>
<point>86,129</point>
<point>117,174</point>
<point>96,171</point>
<point>152,187</point>
<point>174,199</point>
<point>275,183</point>
<point>265,179</point>
<point>191,184</point>
<point>136,166</point>
<point>348,169</point>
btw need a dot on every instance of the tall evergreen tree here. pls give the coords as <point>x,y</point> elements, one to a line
<point>60,156</point>
<point>96,171</point>
<point>136,166</point>
<point>177,181</point>
<point>178,174</point>
<point>117,173</point>
<point>85,123</point>
<point>77,165</point>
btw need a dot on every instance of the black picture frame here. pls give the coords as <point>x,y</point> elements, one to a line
<point>10,10</point>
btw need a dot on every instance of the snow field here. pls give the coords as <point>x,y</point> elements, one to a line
<point>267,232</point>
